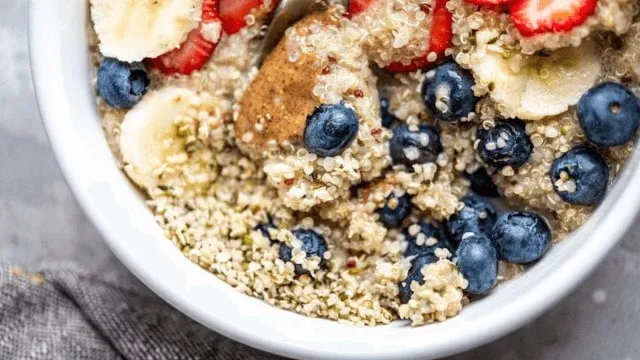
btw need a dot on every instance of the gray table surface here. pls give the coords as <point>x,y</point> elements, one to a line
<point>41,222</point>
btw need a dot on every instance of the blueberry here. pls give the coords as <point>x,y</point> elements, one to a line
<point>448,92</point>
<point>414,274</point>
<point>414,147</point>
<point>506,144</point>
<point>387,117</point>
<point>609,114</point>
<point>477,216</point>
<point>580,176</point>
<point>330,129</point>
<point>482,184</point>
<point>428,232</point>
<point>521,237</point>
<point>122,84</point>
<point>478,263</point>
<point>395,210</point>
<point>313,244</point>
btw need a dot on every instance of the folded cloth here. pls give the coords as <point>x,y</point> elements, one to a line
<point>61,314</point>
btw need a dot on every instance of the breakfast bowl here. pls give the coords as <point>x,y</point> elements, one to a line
<point>62,79</point>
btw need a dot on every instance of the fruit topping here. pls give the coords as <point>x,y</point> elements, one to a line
<point>201,42</point>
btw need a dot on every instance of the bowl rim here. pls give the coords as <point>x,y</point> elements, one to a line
<point>613,219</point>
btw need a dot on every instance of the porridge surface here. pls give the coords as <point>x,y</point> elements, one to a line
<point>230,181</point>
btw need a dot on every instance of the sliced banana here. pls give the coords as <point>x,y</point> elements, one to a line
<point>148,134</point>
<point>504,80</point>
<point>534,87</point>
<point>131,30</point>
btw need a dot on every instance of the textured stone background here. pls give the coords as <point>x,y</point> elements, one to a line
<point>40,222</point>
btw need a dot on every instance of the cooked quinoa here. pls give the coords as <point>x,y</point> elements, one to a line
<point>237,167</point>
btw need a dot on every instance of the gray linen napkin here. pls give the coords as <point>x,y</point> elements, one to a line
<point>61,314</point>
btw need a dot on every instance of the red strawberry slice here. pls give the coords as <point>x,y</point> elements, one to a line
<point>532,17</point>
<point>358,6</point>
<point>439,41</point>
<point>489,2</point>
<point>195,51</point>
<point>501,8</point>
<point>233,13</point>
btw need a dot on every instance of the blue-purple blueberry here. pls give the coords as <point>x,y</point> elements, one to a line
<point>330,129</point>
<point>417,146</point>
<point>429,237</point>
<point>580,176</point>
<point>609,114</point>
<point>506,144</point>
<point>477,261</point>
<point>395,210</point>
<point>447,92</point>
<point>121,84</point>
<point>313,244</point>
<point>477,216</point>
<point>414,274</point>
<point>521,237</point>
<point>482,183</point>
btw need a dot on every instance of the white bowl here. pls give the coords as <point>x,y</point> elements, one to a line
<point>60,64</point>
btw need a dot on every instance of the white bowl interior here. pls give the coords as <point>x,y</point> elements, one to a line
<point>61,72</point>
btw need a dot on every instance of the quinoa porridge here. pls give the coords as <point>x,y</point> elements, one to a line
<point>396,159</point>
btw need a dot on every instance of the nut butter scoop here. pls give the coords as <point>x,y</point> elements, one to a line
<point>274,109</point>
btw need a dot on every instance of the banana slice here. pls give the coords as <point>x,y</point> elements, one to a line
<point>131,30</point>
<point>504,79</point>
<point>148,134</point>
<point>534,87</point>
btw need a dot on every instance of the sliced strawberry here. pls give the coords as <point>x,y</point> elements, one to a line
<point>489,2</point>
<point>358,6</point>
<point>532,17</point>
<point>501,8</point>
<point>195,51</point>
<point>210,12</point>
<point>441,29</point>
<point>233,13</point>
<point>440,40</point>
